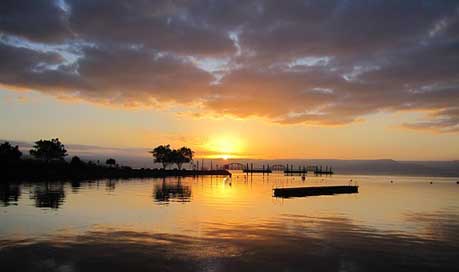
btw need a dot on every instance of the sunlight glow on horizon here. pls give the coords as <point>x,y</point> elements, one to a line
<point>225,147</point>
<point>378,137</point>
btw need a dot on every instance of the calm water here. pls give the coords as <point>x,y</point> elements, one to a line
<point>216,224</point>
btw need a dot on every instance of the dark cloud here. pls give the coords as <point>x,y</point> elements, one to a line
<point>161,25</point>
<point>108,75</point>
<point>36,20</point>
<point>30,69</point>
<point>140,77</point>
<point>312,62</point>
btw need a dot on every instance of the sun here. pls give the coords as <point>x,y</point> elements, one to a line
<point>224,146</point>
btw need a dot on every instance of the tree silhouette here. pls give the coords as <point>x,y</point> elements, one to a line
<point>9,153</point>
<point>76,161</point>
<point>181,156</point>
<point>48,150</point>
<point>111,162</point>
<point>163,154</point>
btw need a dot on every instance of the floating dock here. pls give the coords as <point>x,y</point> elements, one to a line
<point>315,191</point>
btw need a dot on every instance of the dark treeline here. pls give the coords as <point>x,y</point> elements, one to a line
<point>47,162</point>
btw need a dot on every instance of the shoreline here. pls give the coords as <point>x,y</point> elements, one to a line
<point>30,171</point>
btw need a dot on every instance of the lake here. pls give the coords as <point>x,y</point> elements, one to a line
<point>221,224</point>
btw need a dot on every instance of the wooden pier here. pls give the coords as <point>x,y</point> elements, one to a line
<point>288,170</point>
<point>321,171</point>
<point>265,171</point>
<point>315,191</point>
<point>251,169</point>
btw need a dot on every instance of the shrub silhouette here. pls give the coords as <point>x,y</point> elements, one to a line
<point>76,162</point>
<point>9,153</point>
<point>111,162</point>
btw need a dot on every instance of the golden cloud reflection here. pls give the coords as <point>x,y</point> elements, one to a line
<point>217,222</point>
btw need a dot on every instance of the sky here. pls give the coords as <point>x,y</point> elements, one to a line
<point>258,79</point>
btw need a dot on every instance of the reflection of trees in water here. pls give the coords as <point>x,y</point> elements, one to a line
<point>48,195</point>
<point>76,185</point>
<point>167,191</point>
<point>9,192</point>
<point>110,185</point>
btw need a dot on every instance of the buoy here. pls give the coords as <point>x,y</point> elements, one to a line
<point>431,182</point>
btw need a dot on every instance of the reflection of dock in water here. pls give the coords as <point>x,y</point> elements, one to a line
<point>315,191</point>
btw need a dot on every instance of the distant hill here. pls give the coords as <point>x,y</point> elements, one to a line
<point>376,167</point>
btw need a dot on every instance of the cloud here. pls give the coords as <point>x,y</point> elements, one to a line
<point>295,62</point>
<point>35,20</point>
<point>159,25</point>
<point>445,121</point>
